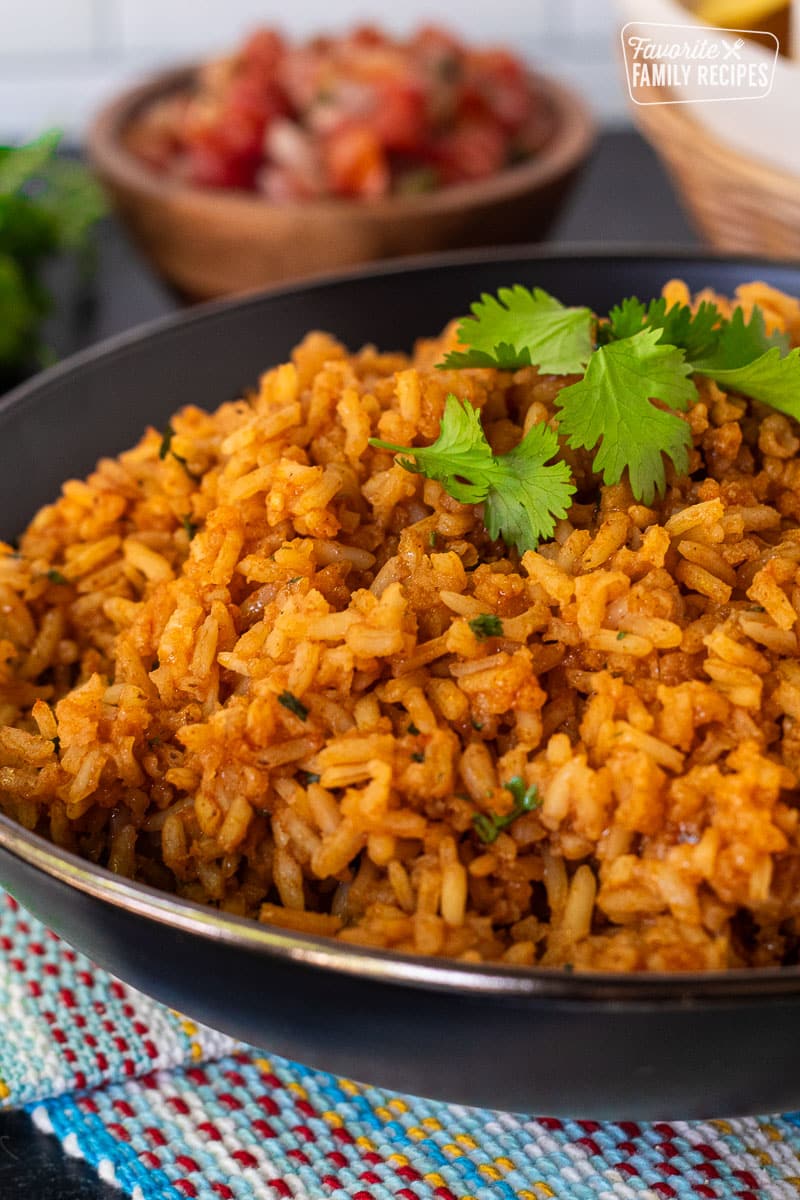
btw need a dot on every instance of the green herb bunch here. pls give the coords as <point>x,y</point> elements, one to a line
<point>636,367</point>
<point>48,205</point>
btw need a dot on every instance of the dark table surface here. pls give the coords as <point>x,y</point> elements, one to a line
<point>623,198</point>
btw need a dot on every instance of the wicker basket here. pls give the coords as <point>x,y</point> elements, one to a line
<point>736,203</point>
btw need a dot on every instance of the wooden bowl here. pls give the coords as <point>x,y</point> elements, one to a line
<point>212,243</point>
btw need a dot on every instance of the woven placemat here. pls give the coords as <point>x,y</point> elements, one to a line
<point>165,1109</point>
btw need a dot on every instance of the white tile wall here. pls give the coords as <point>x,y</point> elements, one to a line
<point>588,18</point>
<point>60,59</point>
<point>146,23</point>
<point>46,26</point>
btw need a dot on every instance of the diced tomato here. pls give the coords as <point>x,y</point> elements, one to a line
<point>475,148</point>
<point>263,49</point>
<point>432,40</point>
<point>440,59</point>
<point>368,35</point>
<point>400,115</point>
<point>498,84</point>
<point>355,162</point>
<point>249,107</point>
<point>225,148</point>
<point>301,74</point>
<point>209,166</point>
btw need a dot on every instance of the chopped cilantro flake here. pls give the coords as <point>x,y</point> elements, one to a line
<point>290,701</point>
<point>489,826</point>
<point>486,625</point>
<point>56,577</point>
<point>166,442</point>
<point>166,448</point>
<point>189,525</point>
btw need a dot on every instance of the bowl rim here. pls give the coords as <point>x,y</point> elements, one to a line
<point>503,981</point>
<point>568,145</point>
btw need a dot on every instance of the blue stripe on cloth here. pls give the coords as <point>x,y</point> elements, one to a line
<point>251,1128</point>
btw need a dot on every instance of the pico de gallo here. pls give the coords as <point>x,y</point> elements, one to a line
<point>362,115</point>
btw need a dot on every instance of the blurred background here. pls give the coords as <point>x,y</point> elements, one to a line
<point>154,153</point>
<point>60,59</point>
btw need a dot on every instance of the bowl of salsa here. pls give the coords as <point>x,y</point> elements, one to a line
<point>284,157</point>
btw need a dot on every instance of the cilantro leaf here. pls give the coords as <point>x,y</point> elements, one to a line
<point>693,332</point>
<point>771,379</point>
<point>740,342</point>
<point>736,352</point>
<point>696,333</point>
<point>624,320</point>
<point>522,506</point>
<point>748,360</point>
<point>460,458</point>
<point>522,497</point>
<point>614,402</point>
<point>522,328</point>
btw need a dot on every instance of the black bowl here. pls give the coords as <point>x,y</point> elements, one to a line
<point>598,1045</point>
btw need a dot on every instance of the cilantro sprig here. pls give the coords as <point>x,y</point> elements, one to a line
<point>736,352</point>
<point>637,366</point>
<point>522,492</point>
